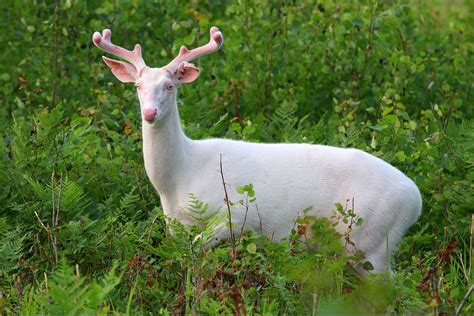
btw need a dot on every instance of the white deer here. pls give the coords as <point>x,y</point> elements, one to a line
<point>288,178</point>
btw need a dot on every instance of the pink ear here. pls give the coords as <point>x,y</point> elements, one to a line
<point>124,72</point>
<point>187,72</point>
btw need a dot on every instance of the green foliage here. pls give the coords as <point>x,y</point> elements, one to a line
<point>393,78</point>
<point>70,294</point>
<point>11,249</point>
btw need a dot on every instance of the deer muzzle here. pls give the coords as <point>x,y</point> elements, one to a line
<point>149,114</point>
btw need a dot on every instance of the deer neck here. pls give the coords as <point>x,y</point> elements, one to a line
<point>164,150</point>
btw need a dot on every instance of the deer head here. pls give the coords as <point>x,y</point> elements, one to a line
<point>156,87</point>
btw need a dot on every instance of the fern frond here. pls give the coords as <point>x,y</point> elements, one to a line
<point>11,249</point>
<point>129,200</point>
<point>73,197</point>
<point>69,195</point>
<point>42,192</point>
<point>287,121</point>
<point>71,294</point>
<point>199,210</point>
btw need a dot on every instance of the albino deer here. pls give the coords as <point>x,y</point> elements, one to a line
<point>288,178</point>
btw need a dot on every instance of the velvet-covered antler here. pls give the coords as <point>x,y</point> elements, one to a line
<point>134,57</point>
<point>185,55</point>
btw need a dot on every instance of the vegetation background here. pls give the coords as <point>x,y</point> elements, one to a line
<point>81,228</point>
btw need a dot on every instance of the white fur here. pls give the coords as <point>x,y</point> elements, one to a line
<point>287,179</point>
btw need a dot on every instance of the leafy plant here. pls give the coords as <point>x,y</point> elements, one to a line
<point>391,78</point>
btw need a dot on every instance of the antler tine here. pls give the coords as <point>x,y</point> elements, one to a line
<point>104,42</point>
<point>215,42</point>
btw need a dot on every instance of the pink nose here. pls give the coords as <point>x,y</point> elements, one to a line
<point>149,114</point>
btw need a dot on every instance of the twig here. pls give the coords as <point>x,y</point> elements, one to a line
<point>227,202</point>
<point>41,222</point>
<point>53,198</point>
<point>470,242</point>
<point>315,304</point>
<point>259,220</point>
<point>56,221</point>
<point>53,216</point>
<point>46,284</point>
<point>57,14</point>
<point>464,300</point>
<point>150,228</point>
<point>434,288</point>
<point>245,217</point>
<point>464,271</point>
<point>368,48</point>
<point>43,251</point>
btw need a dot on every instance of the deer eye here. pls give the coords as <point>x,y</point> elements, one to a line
<point>169,86</point>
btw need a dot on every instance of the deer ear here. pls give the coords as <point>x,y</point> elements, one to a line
<point>124,72</point>
<point>187,72</point>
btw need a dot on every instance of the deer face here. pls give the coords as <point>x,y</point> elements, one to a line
<point>156,87</point>
<point>156,90</point>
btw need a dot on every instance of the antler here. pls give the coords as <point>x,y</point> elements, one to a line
<point>216,41</point>
<point>134,57</point>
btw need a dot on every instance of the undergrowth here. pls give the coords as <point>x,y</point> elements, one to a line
<point>82,230</point>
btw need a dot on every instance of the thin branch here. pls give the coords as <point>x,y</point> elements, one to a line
<point>227,202</point>
<point>245,217</point>
<point>464,271</point>
<point>53,198</point>
<point>55,57</point>
<point>41,222</point>
<point>259,220</point>
<point>367,49</point>
<point>434,287</point>
<point>46,284</point>
<point>78,273</point>
<point>464,300</point>
<point>150,228</point>
<point>315,304</point>
<point>56,219</point>
<point>43,251</point>
<point>470,242</point>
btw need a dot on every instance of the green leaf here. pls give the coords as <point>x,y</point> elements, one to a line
<point>387,111</point>
<point>400,155</point>
<point>5,77</point>
<point>378,127</point>
<point>251,248</point>
<point>446,87</point>
<point>367,266</point>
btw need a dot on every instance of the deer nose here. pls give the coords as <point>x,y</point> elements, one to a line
<point>149,114</point>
